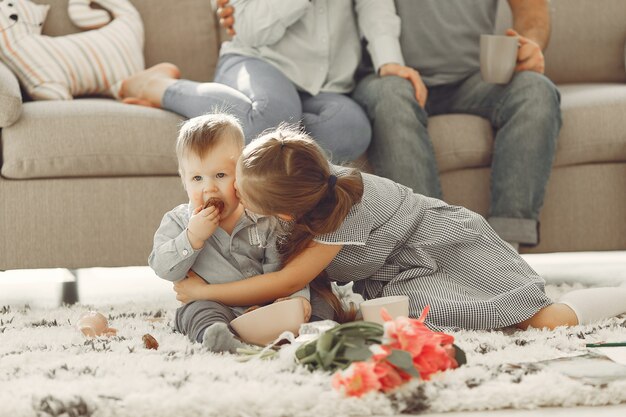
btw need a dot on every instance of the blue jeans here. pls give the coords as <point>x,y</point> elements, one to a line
<point>261,97</point>
<point>525,114</point>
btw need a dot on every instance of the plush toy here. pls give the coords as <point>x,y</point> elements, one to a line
<point>85,63</point>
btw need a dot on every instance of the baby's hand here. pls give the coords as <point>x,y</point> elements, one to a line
<point>202,225</point>
<point>306,306</point>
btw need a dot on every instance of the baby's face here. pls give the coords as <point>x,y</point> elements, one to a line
<point>212,176</point>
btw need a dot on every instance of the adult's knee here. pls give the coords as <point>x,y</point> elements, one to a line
<point>382,96</point>
<point>535,93</point>
<point>341,127</point>
<point>269,115</point>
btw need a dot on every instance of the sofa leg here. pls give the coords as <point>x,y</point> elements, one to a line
<point>69,291</point>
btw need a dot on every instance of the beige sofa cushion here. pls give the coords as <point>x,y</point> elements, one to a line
<point>589,111</point>
<point>461,141</point>
<point>10,97</point>
<point>174,32</point>
<point>89,137</point>
<point>594,124</point>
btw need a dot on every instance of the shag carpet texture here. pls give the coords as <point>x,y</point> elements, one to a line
<point>48,368</point>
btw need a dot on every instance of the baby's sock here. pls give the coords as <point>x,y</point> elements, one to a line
<point>218,338</point>
<point>593,304</point>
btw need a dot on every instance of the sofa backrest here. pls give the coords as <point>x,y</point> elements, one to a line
<point>587,42</point>
<point>184,32</point>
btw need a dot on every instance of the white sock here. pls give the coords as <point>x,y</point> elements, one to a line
<point>593,304</point>
<point>218,338</point>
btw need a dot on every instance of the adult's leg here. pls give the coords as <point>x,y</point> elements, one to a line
<point>257,93</point>
<point>249,88</point>
<point>337,123</point>
<point>401,148</point>
<point>527,118</point>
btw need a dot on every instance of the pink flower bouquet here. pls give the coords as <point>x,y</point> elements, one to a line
<point>369,357</point>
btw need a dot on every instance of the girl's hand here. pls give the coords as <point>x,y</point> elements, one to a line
<point>306,306</point>
<point>202,224</point>
<point>190,288</point>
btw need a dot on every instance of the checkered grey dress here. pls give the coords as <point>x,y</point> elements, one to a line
<point>397,242</point>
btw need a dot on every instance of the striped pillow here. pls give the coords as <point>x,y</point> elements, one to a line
<point>86,63</point>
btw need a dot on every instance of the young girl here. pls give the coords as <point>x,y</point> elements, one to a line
<point>390,241</point>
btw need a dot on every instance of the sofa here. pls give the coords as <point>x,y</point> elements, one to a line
<point>85,183</point>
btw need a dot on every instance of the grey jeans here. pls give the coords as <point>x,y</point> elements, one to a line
<point>525,114</point>
<point>261,97</point>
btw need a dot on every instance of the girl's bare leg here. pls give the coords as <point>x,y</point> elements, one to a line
<point>584,306</point>
<point>147,87</point>
<point>553,316</point>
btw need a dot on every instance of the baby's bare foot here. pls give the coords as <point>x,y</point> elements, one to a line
<point>135,86</point>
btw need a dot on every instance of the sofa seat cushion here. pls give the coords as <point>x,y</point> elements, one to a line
<point>461,141</point>
<point>89,137</point>
<point>594,130</point>
<point>594,124</point>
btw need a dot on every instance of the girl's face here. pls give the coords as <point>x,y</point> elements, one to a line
<point>213,176</point>
<point>242,193</point>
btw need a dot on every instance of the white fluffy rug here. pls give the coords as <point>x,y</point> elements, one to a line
<point>47,368</point>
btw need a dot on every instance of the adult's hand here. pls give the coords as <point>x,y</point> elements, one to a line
<point>529,54</point>
<point>226,13</point>
<point>410,74</point>
<point>190,288</point>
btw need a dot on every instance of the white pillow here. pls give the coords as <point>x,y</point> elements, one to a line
<point>62,67</point>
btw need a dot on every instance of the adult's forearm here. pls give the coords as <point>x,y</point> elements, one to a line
<point>531,19</point>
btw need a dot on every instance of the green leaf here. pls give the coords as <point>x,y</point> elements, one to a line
<point>403,360</point>
<point>329,358</point>
<point>324,342</point>
<point>306,350</point>
<point>358,353</point>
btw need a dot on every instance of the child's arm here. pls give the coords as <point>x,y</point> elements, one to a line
<point>172,255</point>
<point>262,288</point>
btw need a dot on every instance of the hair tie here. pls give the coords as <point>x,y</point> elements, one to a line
<point>332,180</point>
<point>282,143</point>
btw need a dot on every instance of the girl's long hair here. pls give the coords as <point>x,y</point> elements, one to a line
<point>285,172</point>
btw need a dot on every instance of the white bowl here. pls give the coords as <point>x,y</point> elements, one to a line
<point>396,306</point>
<point>263,325</point>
